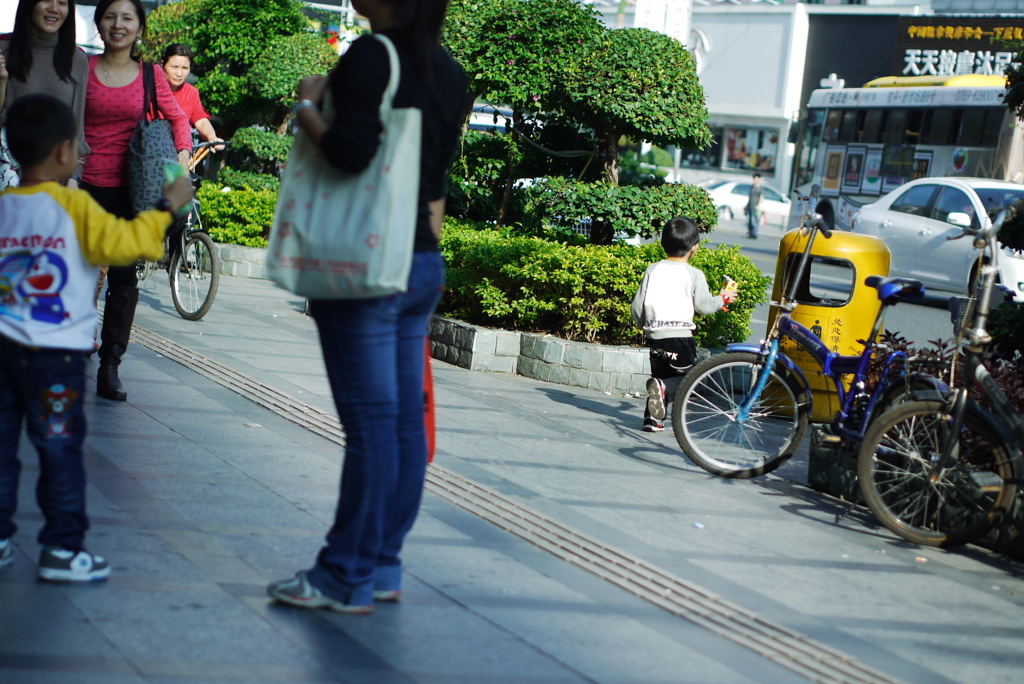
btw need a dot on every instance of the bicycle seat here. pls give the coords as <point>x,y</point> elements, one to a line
<point>893,290</point>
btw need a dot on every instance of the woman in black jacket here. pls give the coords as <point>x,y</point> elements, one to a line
<point>374,349</point>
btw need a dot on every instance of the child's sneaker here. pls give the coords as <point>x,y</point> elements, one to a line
<point>386,595</point>
<point>57,564</point>
<point>6,553</point>
<point>656,398</point>
<point>653,425</point>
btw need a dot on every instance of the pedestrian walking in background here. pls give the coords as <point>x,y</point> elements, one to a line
<point>114,105</point>
<point>47,321</point>
<point>753,208</point>
<point>671,292</point>
<point>374,349</point>
<point>40,56</point>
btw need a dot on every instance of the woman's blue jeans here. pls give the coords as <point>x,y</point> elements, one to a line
<point>374,350</point>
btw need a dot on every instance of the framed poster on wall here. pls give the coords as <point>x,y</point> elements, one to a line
<point>853,169</point>
<point>871,180</point>
<point>832,178</point>
<point>922,163</point>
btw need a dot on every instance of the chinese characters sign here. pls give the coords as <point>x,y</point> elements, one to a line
<point>948,46</point>
<point>951,63</point>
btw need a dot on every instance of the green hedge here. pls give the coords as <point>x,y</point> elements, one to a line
<point>578,292</point>
<point>631,209</point>
<point>248,180</point>
<point>259,151</point>
<point>237,217</point>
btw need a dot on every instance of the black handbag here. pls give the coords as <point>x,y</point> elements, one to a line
<point>151,148</point>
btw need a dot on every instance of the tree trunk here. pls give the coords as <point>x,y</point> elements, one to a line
<point>602,232</point>
<point>506,198</point>
<point>608,140</point>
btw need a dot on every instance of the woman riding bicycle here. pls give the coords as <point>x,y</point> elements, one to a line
<point>177,64</point>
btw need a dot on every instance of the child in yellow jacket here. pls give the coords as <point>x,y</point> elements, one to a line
<point>52,240</point>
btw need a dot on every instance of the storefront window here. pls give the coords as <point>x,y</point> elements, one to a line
<point>751,149</point>
<point>709,157</point>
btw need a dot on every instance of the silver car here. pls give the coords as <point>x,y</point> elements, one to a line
<point>916,219</point>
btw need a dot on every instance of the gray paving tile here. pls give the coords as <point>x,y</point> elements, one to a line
<point>212,628</point>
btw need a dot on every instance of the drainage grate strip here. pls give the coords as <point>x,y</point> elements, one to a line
<point>790,649</point>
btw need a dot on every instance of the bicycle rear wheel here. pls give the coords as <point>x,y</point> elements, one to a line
<point>195,275</point>
<point>704,416</point>
<point>960,504</point>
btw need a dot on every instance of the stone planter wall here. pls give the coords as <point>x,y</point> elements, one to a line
<point>241,261</point>
<point>473,347</point>
<point>622,370</point>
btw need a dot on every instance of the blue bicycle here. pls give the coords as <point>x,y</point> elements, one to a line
<point>743,413</point>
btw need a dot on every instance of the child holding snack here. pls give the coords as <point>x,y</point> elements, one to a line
<point>52,239</point>
<point>671,293</point>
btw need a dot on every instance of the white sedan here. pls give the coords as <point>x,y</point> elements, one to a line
<point>730,197</point>
<point>916,219</point>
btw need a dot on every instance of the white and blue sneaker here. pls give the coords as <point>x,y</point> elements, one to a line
<point>57,564</point>
<point>6,553</point>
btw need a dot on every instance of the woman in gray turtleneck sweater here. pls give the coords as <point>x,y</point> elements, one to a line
<point>40,56</point>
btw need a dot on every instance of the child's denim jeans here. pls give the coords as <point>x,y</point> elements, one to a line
<point>46,389</point>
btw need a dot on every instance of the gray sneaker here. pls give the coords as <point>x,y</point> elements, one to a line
<point>6,553</point>
<point>297,591</point>
<point>57,564</point>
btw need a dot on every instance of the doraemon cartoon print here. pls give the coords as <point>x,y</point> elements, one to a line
<point>57,402</point>
<point>30,287</point>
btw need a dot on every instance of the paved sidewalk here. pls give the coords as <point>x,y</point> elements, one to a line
<point>199,497</point>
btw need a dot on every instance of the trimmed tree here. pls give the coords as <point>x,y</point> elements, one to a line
<point>517,54</point>
<point>640,84</point>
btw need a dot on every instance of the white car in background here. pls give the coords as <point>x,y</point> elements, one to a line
<point>916,219</point>
<point>730,197</point>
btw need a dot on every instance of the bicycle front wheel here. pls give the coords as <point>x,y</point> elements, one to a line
<point>195,274</point>
<point>954,506</point>
<point>705,417</point>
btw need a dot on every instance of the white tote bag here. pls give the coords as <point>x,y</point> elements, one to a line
<point>339,235</point>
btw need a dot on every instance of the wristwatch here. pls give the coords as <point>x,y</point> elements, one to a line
<point>163,204</point>
<point>303,104</point>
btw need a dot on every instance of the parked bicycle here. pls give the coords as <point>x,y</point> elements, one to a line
<point>743,413</point>
<point>190,257</point>
<point>942,470</point>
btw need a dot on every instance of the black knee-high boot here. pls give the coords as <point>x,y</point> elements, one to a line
<point>118,315</point>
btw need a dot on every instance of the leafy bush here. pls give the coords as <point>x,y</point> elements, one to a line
<point>628,209</point>
<point>238,217</point>
<point>631,173</point>
<point>1006,325</point>
<point>259,151</point>
<point>286,60</point>
<point>248,180</point>
<point>578,292</point>
<point>657,156</point>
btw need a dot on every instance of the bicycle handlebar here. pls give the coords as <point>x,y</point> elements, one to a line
<point>196,148</point>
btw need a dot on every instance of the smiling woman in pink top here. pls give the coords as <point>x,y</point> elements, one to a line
<point>113,108</point>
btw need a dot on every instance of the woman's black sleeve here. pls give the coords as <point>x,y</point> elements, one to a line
<point>357,85</point>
